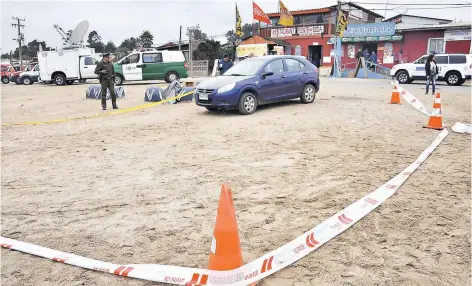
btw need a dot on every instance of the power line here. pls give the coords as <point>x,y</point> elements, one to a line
<point>429,8</point>
<point>412,4</point>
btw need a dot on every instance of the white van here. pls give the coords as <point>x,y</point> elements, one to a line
<point>455,69</point>
<point>66,66</point>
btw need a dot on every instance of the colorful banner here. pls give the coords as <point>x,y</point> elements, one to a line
<point>259,15</point>
<point>239,30</point>
<point>342,23</point>
<point>299,31</point>
<point>286,19</point>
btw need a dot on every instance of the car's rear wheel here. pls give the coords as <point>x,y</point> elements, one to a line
<point>309,94</point>
<point>454,78</point>
<point>5,80</point>
<point>118,79</point>
<point>403,77</point>
<point>247,103</point>
<point>17,80</point>
<point>171,76</point>
<point>59,79</point>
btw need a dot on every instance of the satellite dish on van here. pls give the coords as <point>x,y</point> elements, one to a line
<point>79,32</point>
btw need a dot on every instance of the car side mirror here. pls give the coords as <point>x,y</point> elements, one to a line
<point>266,74</point>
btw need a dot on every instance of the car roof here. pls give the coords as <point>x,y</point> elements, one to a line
<point>272,57</point>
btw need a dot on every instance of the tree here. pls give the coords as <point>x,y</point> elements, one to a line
<point>95,41</point>
<point>93,38</point>
<point>33,47</point>
<point>110,47</point>
<point>6,56</point>
<point>231,37</point>
<point>129,44</point>
<point>145,40</point>
<point>208,50</point>
<point>195,33</point>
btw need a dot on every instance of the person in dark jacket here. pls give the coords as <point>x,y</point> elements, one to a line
<point>106,75</point>
<point>225,64</point>
<point>431,69</point>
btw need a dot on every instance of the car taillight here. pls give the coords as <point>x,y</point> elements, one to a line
<point>185,65</point>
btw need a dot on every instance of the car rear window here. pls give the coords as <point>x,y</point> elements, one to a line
<point>457,59</point>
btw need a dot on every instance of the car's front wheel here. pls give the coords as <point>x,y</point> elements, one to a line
<point>247,103</point>
<point>27,81</point>
<point>309,94</point>
<point>403,77</point>
<point>5,80</point>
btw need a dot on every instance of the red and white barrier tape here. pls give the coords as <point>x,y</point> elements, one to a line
<point>415,102</point>
<point>255,270</point>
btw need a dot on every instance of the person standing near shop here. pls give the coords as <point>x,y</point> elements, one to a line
<point>373,59</point>
<point>431,69</point>
<point>106,75</point>
<point>225,64</point>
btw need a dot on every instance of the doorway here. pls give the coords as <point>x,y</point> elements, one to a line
<point>315,55</point>
<point>371,47</point>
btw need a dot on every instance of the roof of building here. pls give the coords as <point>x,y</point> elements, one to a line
<point>324,10</point>
<point>267,40</point>
<point>408,15</point>
<point>435,27</point>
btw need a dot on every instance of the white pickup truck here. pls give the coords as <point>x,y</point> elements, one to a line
<point>66,66</point>
<point>455,69</point>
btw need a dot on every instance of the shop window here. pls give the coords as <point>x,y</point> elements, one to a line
<point>436,45</point>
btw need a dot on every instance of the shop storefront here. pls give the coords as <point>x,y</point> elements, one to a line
<point>374,37</point>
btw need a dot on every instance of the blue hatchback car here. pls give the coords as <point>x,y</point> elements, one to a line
<point>261,80</point>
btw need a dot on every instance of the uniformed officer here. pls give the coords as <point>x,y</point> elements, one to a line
<point>106,75</point>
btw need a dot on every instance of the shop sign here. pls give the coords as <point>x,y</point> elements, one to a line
<point>368,39</point>
<point>370,30</point>
<point>457,35</point>
<point>299,31</point>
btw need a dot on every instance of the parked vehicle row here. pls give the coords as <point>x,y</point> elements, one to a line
<point>455,69</point>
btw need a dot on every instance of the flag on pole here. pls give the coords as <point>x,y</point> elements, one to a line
<point>342,23</point>
<point>259,15</point>
<point>286,19</point>
<point>239,29</point>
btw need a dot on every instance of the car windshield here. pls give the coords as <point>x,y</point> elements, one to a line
<point>246,67</point>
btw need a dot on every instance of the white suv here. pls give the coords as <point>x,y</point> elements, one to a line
<point>455,69</point>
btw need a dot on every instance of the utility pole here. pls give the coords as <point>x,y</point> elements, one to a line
<point>180,37</point>
<point>20,36</point>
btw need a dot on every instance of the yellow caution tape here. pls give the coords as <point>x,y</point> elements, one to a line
<point>121,111</point>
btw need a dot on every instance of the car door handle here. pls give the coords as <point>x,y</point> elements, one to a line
<point>305,72</point>
<point>283,76</point>
<point>85,67</point>
<point>141,66</point>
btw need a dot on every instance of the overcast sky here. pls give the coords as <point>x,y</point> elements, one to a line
<point>117,20</point>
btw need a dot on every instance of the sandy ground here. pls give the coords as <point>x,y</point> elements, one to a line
<point>143,187</point>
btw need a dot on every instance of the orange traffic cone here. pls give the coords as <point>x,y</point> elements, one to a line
<point>395,96</point>
<point>435,120</point>
<point>225,247</point>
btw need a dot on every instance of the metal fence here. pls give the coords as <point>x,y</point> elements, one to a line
<point>198,68</point>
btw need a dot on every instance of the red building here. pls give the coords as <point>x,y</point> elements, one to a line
<point>313,29</point>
